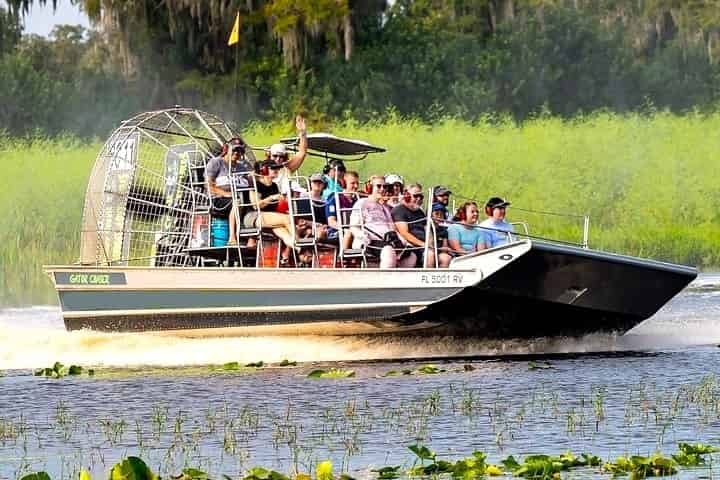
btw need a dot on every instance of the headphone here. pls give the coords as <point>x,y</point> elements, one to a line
<point>461,214</point>
<point>333,163</point>
<point>226,146</point>
<point>262,169</point>
<point>368,187</point>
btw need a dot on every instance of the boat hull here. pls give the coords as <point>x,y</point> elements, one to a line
<point>557,290</point>
<point>522,290</point>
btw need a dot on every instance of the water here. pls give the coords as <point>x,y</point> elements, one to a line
<point>155,396</point>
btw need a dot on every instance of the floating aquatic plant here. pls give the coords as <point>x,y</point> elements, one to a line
<point>388,473</point>
<point>467,468</point>
<point>58,370</point>
<point>638,466</point>
<point>260,473</point>
<point>132,468</point>
<point>539,366</point>
<point>547,467</point>
<point>692,455</point>
<point>332,373</point>
<point>36,476</point>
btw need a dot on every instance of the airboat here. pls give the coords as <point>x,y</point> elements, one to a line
<point>148,261</point>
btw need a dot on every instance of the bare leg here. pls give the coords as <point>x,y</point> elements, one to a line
<point>408,262</point>
<point>388,258</point>
<point>232,225</point>
<point>445,260</point>
<point>347,240</point>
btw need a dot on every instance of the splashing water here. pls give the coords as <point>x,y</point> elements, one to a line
<point>34,337</point>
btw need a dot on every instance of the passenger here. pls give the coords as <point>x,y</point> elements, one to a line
<point>498,229</point>
<point>219,171</point>
<point>278,153</point>
<point>379,229</point>
<point>267,199</point>
<point>411,223</point>
<point>315,200</point>
<point>465,236</point>
<point>334,172</point>
<point>441,200</point>
<point>397,184</point>
<point>346,200</point>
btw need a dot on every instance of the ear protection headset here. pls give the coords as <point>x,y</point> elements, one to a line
<point>262,169</point>
<point>226,146</point>
<point>368,187</point>
<point>462,212</point>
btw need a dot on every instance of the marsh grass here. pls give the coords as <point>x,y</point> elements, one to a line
<point>648,183</point>
<point>225,434</point>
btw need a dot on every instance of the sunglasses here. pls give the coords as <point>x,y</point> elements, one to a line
<point>276,167</point>
<point>278,155</point>
<point>379,185</point>
<point>418,195</point>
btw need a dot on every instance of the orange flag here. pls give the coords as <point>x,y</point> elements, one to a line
<point>235,34</point>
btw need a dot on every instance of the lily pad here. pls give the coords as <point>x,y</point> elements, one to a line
<point>132,468</point>
<point>36,476</point>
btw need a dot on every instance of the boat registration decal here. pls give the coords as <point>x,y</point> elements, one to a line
<point>90,278</point>
<point>441,279</point>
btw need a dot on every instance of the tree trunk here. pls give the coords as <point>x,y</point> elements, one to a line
<point>506,10</point>
<point>348,33</point>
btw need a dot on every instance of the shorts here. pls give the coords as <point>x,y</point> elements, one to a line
<point>250,219</point>
<point>221,207</point>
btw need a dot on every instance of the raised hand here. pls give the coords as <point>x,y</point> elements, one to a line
<point>300,123</point>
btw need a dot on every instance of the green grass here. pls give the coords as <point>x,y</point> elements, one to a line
<point>649,184</point>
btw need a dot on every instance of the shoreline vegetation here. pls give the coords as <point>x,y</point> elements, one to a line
<point>648,182</point>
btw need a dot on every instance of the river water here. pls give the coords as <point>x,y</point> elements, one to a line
<point>159,397</point>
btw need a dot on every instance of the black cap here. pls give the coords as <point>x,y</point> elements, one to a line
<point>440,190</point>
<point>236,144</point>
<point>497,202</point>
<point>335,163</point>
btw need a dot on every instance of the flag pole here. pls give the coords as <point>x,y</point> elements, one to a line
<point>235,40</point>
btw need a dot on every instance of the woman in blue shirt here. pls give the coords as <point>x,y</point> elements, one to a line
<point>466,237</point>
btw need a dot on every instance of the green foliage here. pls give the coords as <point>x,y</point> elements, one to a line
<point>642,467</point>
<point>259,364</point>
<point>287,363</point>
<point>332,373</point>
<point>548,467</point>
<point>539,366</point>
<point>259,473</point>
<point>36,476</point>
<point>132,468</point>
<point>58,370</point>
<point>692,455</point>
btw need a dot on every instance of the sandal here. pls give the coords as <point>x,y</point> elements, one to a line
<point>284,261</point>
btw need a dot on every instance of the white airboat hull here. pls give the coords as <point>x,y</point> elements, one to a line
<point>265,301</point>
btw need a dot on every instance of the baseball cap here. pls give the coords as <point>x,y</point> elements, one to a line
<point>440,190</point>
<point>278,149</point>
<point>497,202</point>
<point>317,177</point>
<point>438,206</point>
<point>392,178</point>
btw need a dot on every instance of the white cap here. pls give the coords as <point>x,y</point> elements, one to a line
<point>278,149</point>
<point>394,178</point>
